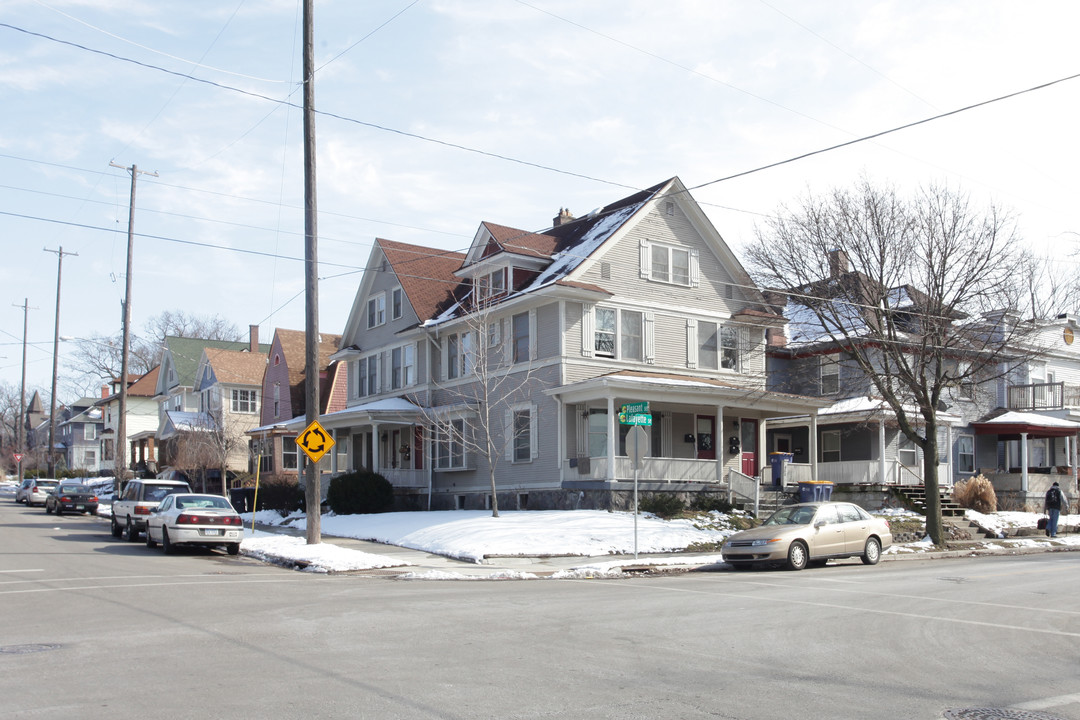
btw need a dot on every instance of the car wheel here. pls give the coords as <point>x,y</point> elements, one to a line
<point>48,509</point>
<point>59,509</point>
<point>149,540</point>
<point>114,527</point>
<point>165,544</point>
<point>872,552</point>
<point>130,533</point>
<point>233,548</point>
<point>797,556</point>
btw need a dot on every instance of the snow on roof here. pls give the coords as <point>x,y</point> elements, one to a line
<point>566,261</point>
<point>1021,418</point>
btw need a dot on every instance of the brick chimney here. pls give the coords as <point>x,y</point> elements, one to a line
<point>564,216</point>
<point>104,391</point>
<point>838,263</point>
<point>253,338</point>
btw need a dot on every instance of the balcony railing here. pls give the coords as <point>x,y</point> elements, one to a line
<point>1040,396</point>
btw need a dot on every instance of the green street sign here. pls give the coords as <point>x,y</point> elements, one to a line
<point>637,408</point>
<point>635,419</point>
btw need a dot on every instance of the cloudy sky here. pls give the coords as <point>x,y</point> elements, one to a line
<point>439,114</point>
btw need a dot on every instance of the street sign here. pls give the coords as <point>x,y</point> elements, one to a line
<point>637,408</point>
<point>635,419</point>
<point>18,457</point>
<point>315,441</point>
<point>637,445</point>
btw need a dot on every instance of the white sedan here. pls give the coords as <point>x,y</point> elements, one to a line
<point>193,519</point>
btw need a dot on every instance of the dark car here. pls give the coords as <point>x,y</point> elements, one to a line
<point>71,496</point>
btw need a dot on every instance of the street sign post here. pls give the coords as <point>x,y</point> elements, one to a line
<point>637,447</point>
<point>315,441</point>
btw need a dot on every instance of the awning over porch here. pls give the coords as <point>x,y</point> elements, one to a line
<point>389,410</point>
<point>1012,425</point>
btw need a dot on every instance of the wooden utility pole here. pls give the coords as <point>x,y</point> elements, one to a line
<point>313,489</point>
<point>51,458</point>
<point>120,463</point>
<point>20,427</point>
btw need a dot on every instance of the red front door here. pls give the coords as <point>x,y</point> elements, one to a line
<point>748,431</point>
<point>706,437</point>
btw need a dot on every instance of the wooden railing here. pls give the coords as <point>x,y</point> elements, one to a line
<point>1037,396</point>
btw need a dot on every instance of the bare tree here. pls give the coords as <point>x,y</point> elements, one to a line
<point>488,377</point>
<point>924,294</point>
<point>98,356</point>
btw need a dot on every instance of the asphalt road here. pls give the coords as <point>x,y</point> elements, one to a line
<point>94,627</point>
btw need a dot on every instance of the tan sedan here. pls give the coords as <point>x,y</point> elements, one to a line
<point>810,534</point>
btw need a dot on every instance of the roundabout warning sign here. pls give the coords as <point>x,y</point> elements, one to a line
<point>315,441</point>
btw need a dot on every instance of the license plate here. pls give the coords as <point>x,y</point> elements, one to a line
<point>79,507</point>
<point>212,532</point>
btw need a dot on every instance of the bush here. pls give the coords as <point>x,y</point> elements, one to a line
<point>665,505</point>
<point>360,492</point>
<point>280,493</point>
<point>709,503</point>
<point>976,493</point>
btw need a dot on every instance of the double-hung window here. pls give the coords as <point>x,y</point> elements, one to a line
<point>396,304</point>
<point>368,375</point>
<point>288,453</point>
<point>450,445</point>
<point>604,332</point>
<point>965,453</point>
<point>520,329</point>
<point>670,264</point>
<point>718,346</point>
<point>492,285</point>
<point>522,447</point>
<point>244,401</point>
<point>618,333</point>
<point>707,345</point>
<point>402,367</point>
<point>460,355</point>
<point>376,311</point>
<point>830,374</point>
<point>830,446</point>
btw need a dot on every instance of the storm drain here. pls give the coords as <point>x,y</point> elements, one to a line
<point>26,649</point>
<point>998,714</point>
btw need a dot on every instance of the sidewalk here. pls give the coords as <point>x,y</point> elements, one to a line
<point>417,564</point>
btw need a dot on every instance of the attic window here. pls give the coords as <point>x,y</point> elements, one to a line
<point>492,285</point>
<point>669,208</point>
<point>277,359</point>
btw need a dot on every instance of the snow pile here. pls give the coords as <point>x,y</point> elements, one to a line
<point>324,557</point>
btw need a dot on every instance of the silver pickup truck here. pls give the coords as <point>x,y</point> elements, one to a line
<point>131,509</point>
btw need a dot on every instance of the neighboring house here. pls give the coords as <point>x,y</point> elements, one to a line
<point>140,424</point>
<point>857,440</point>
<point>512,361</point>
<point>79,430</point>
<point>36,429</point>
<point>176,394</point>
<point>285,397</point>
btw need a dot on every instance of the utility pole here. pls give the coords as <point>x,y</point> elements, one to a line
<point>120,463</point>
<point>313,490</point>
<point>55,357</point>
<point>20,427</point>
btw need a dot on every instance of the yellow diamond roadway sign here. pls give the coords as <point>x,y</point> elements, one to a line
<point>315,441</point>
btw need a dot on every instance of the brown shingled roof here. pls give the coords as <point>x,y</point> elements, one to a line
<point>145,386</point>
<point>426,275</point>
<point>294,346</point>
<point>522,242</point>
<point>236,367</point>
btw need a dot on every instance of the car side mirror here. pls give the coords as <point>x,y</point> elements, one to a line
<point>820,523</point>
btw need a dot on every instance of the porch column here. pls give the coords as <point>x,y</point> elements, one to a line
<point>762,459</point>
<point>881,450</point>
<point>611,437</point>
<point>718,443</point>
<point>949,455</point>
<point>333,452</point>
<point>1023,463</point>
<point>813,445</point>
<point>375,447</point>
<point>1076,476</point>
<point>560,430</point>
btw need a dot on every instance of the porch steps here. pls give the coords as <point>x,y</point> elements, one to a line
<point>916,497</point>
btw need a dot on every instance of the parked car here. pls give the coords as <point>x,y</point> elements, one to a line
<point>130,510</point>
<point>192,519</point>
<point>37,489</point>
<point>810,534</point>
<point>72,496</point>
<point>23,490</point>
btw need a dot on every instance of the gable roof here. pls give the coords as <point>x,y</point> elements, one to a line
<point>426,274</point>
<point>235,367</point>
<point>293,344</point>
<point>187,352</point>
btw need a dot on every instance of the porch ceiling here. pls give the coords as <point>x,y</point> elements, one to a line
<point>634,386</point>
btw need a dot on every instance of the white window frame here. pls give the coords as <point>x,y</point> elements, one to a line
<point>494,333</point>
<point>829,371</point>
<point>517,451</point>
<point>965,452</point>
<point>449,444</point>
<point>592,330</point>
<point>376,310</point>
<point>459,355</point>
<point>830,438</point>
<point>403,366</point>
<point>664,272</point>
<point>89,432</point>
<point>397,303</point>
<point>243,402</point>
<point>907,452</point>
<point>492,285</point>
<point>289,449</point>
<point>529,351</point>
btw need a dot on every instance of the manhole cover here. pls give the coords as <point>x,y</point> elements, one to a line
<point>997,714</point>
<point>26,649</point>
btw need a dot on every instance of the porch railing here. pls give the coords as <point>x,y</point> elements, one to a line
<point>854,472</point>
<point>653,470</point>
<point>406,478</point>
<point>1038,396</point>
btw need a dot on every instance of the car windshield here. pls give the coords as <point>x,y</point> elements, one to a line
<point>157,493</point>
<point>202,501</point>
<point>794,515</point>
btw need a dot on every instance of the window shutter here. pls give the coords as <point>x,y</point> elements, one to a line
<point>588,325</point>
<point>645,259</point>
<point>533,340</point>
<point>650,344</point>
<point>534,441</point>
<point>744,349</point>
<point>695,271</point>
<point>508,435</point>
<point>691,343</point>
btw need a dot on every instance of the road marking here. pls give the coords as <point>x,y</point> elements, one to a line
<point>837,606</point>
<point>22,571</point>
<point>139,585</point>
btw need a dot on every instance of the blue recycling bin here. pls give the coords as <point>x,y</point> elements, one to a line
<point>815,491</point>
<point>778,460</point>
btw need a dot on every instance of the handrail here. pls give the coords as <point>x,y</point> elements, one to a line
<point>739,484</point>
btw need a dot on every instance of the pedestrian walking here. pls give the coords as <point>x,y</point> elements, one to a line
<point>1055,500</point>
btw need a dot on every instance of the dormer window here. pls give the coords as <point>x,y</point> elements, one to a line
<point>491,285</point>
